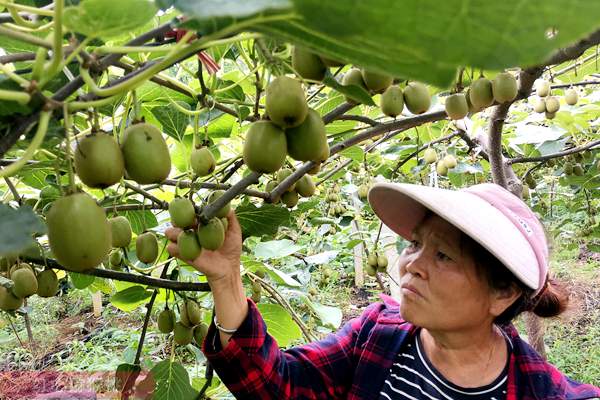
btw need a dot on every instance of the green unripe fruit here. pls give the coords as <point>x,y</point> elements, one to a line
<point>307,64</point>
<point>472,108</point>
<point>441,168</point>
<point>525,192</point>
<point>430,155</point>
<point>530,181</point>
<point>265,147</point>
<point>98,161</point>
<point>25,283</point>
<point>256,297</point>
<point>120,229</point>
<point>539,105</point>
<point>305,186</point>
<point>8,301</point>
<point>146,247</point>
<point>47,283</point>
<point>166,321</point>
<point>316,169</point>
<point>224,211</point>
<point>542,88</point>
<point>285,102</point>
<point>282,174</point>
<point>146,154</point>
<point>17,267</point>
<point>182,212</point>
<point>372,259</point>
<point>78,232</point>
<point>456,106</point>
<point>225,223</point>
<point>271,185</point>
<point>382,263</point>
<point>188,245</point>
<point>417,98</point>
<point>568,168</point>
<point>212,235</point>
<point>392,101</point>
<point>449,161</point>
<point>290,199</point>
<point>308,141</point>
<point>376,82</point>
<point>504,87</point>
<point>552,104</point>
<point>353,77</point>
<point>571,97</point>
<point>182,335</point>
<point>202,161</point>
<point>260,273</point>
<point>191,315</point>
<point>116,258</point>
<point>200,332</point>
<point>551,162</point>
<point>329,62</point>
<point>577,170</point>
<point>255,287</point>
<point>371,270</point>
<point>363,191</point>
<point>550,115</point>
<point>481,94</point>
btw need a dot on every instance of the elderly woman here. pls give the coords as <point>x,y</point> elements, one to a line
<point>477,258</point>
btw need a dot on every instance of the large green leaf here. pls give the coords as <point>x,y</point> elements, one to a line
<point>17,227</point>
<point>279,324</point>
<point>275,249</point>
<point>173,121</point>
<point>81,281</point>
<point>228,8</point>
<point>129,299</point>
<point>172,382</point>
<point>265,220</point>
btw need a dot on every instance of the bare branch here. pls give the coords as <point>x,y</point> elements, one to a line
<point>573,150</point>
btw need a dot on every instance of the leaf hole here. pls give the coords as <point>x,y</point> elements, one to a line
<point>551,33</point>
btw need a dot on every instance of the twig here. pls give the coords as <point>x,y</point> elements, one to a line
<point>336,112</point>
<point>573,150</point>
<point>13,189</point>
<point>210,210</point>
<point>28,325</point>
<point>209,185</point>
<point>360,118</point>
<point>15,331</point>
<point>156,200</point>
<point>237,165</point>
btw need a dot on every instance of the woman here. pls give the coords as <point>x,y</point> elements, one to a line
<point>477,258</point>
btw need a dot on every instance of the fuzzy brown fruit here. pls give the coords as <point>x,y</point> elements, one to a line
<point>539,105</point>
<point>282,175</point>
<point>98,161</point>
<point>290,199</point>
<point>285,102</point>
<point>430,155</point>
<point>353,77</point>
<point>571,97</point>
<point>305,186</point>
<point>200,332</point>
<point>542,88</point>
<point>47,283</point>
<point>552,105</point>
<point>146,154</point>
<point>191,315</point>
<point>265,147</point>
<point>223,211</point>
<point>8,301</point>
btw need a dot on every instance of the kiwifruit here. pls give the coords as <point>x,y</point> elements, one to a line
<point>265,147</point>
<point>285,102</point>
<point>392,101</point>
<point>382,263</point>
<point>481,94</point>
<point>182,212</point>
<point>191,315</point>
<point>120,231</point>
<point>182,334</point>
<point>188,245</point>
<point>47,283</point>
<point>550,115</point>
<point>225,223</point>
<point>472,108</point>
<point>449,161</point>
<point>363,191</point>
<point>308,141</point>
<point>52,192</point>
<point>19,266</point>
<point>430,155</point>
<point>7,262</point>
<point>212,235</point>
<point>525,192</point>
<point>256,296</point>
<point>329,62</point>
<point>316,169</point>
<point>260,273</point>
<point>539,105</point>
<point>223,211</point>
<point>542,88</point>
<point>256,287</point>
<point>146,247</point>
<point>290,199</point>
<point>146,154</point>
<point>25,283</point>
<point>78,232</point>
<point>417,98</point>
<point>552,105</point>
<point>571,97</point>
<point>282,174</point>
<point>577,170</point>
<point>115,257</point>
<point>308,64</point>
<point>441,168</point>
<point>375,81</point>
<point>8,301</point>
<point>504,87</point>
<point>551,162</point>
<point>456,106</point>
<point>353,77</point>
<point>200,332</point>
<point>372,259</point>
<point>371,270</point>
<point>202,161</point>
<point>98,161</point>
<point>305,186</point>
<point>271,185</point>
<point>568,168</point>
<point>530,181</point>
<point>166,321</point>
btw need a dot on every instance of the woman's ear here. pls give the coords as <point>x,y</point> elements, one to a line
<point>503,298</point>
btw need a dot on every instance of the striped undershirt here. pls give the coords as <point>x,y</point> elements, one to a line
<point>412,376</point>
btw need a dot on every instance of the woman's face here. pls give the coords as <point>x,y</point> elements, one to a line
<point>441,289</point>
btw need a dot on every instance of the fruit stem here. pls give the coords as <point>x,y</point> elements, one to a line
<point>37,140</point>
<point>24,37</point>
<point>14,95</point>
<point>18,19</point>
<point>82,105</point>
<point>57,52</point>
<point>18,79</point>
<point>70,173</point>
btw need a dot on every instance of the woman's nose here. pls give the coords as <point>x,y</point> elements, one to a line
<point>417,264</point>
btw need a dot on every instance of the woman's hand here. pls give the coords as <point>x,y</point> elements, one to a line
<point>218,264</point>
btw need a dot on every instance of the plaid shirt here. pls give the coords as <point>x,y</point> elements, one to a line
<point>353,362</point>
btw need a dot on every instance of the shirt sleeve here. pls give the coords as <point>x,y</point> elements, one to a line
<point>253,367</point>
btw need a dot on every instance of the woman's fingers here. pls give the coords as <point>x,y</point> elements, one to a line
<point>172,233</point>
<point>173,250</point>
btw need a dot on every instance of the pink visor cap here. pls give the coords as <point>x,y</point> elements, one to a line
<point>491,215</point>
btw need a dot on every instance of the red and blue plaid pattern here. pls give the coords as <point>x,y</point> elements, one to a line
<point>353,362</point>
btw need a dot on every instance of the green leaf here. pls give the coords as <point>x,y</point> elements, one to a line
<point>17,227</point>
<point>81,281</point>
<point>101,285</point>
<point>105,18</point>
<point>140,220</point>
<point>355,92</point>
<point>353,243</point>
<point>280,324</point>
<point>265,220</point>
<point>354,153</point>
<point>278,276</point>
<point>204,9</point>
<point>131,298</point>
<point>221,127</point>
<point>172,382</point>
<point>275,249</point>
<point>329,316</point>
<point>173,121</point>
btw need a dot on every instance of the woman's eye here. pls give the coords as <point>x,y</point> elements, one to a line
<point>443,256</point>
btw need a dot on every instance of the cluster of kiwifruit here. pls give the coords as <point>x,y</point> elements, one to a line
<point>303,187</point>
<point>446,163</point>
<point>27,281</point>
<point>548,104</point>
<point>573,163</point>
<point>363,191</point>
<point>189,327</point>
<point>334,199</point>
<point>376,262</point>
